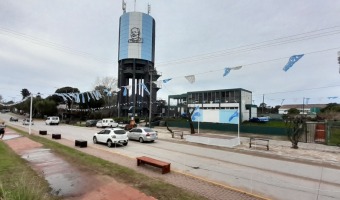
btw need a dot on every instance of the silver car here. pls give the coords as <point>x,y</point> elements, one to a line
<point>142,134</point>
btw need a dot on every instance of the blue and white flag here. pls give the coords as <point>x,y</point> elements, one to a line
<point>293,59</point>
<point>332,97</point>
<point>145,88</point>
<point>226,71</point>
<point>196,114</point>
<point>125,92</point>
<point>167,80</point>
<point>233,116</point>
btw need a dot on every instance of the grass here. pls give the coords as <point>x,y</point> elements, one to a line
<point>145,184</point>
<point>15,173</point>
<point>335,136</point>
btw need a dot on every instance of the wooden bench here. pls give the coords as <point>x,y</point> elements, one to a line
<point>56,136</point>
<point>153,162</point>
<point>259,141</point>
<point>42,132</point>
<point>180,133</point>
<point>80,143</point>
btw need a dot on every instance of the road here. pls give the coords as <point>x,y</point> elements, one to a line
<point>272,178</point>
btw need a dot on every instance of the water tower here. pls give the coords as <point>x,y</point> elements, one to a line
<point>136,60</point>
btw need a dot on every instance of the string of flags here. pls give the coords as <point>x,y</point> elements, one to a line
<point>192,79</point>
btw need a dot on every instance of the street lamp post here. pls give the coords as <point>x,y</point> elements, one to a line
<point>150,107</point>
<point>30,122</point>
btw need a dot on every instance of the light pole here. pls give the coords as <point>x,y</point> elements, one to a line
<point>30,122</point>
<point>150,103</point>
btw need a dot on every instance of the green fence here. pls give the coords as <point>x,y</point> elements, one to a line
<point>333,133</point>
<point>272,131</point>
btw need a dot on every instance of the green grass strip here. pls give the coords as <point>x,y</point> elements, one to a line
<point>150,186</point>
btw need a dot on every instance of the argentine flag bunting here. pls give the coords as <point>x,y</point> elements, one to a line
<point>293,59</point>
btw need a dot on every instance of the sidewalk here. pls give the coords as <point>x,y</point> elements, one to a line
<point>307,152</point>
<point>193,184</point>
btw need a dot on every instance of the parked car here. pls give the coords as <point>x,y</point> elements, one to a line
<point>52,120</point>
<point>111,136</point>
<point>106,123</point>
<point>12,119</point>
<point>27,122</point>
<point>142,134</point>
<point>91,122</point>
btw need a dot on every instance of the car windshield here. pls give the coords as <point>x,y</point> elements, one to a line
<point>119,132</point>
<point>148,130</point>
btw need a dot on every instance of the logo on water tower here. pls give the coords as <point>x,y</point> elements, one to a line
<point>135,35</point>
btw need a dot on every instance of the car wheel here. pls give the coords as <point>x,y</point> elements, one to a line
<point>152,140</point>
<point>141,140</point>
<point>95,140</point>
<point>109,143</point>
<point>125,144</point>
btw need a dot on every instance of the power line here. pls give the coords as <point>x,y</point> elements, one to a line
<point>52,45</point>
<point>255,46</point>
<point>260,62</point>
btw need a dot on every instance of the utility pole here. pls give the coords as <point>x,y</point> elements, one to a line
<point>150,103</point>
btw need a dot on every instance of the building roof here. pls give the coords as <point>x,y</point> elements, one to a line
<point>306,106</point>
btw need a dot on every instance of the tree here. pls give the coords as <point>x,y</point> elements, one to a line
<point>293,111</point>
<point>296,127</point>
<point>46,107</point>
<point>66,89</point>
<point>331,107</point>
<point>25,93</point>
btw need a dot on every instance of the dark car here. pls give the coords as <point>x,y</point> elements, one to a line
<point>12,119</point>
<point>91,123</point>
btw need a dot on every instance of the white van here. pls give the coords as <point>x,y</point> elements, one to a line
<point>52,120</point>
<point>106,123</point>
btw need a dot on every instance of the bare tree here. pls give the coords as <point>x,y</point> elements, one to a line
<point>108,82</point>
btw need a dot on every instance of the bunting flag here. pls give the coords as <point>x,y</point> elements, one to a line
<point>307,99</point>
<point>293,59</point>
<point>145,88</point>
<point>226,71</point>
<point>82,97</point>
<point>167,80</point>
<point>117,90</point>
<point>190,78</point>
<point>158,83</point>
<point>196,113</point>
<point>125,92</point>
<point>88,97</point>
<point>233,116</point>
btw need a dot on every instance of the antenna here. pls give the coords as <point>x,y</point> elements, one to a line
<point>135,6</point>
<point>149,9</point>
<point>124,6</point>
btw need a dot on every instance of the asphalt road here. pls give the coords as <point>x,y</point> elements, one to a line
<point>268,177</point>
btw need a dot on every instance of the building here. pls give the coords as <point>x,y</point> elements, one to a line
<point>303,108</point>
<point>136,60</point>
<point>214,104</point>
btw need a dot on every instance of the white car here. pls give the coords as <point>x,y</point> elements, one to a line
<point>142,134</point>
<point>27,122</point>
<point>111,136</point>
<point>106,123</point>
<point>52,120</point>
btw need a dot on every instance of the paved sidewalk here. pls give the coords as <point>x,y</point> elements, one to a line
<point>307,152</point>
<point>190,183</point>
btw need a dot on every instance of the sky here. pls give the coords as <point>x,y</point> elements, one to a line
<point>46,45</point>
